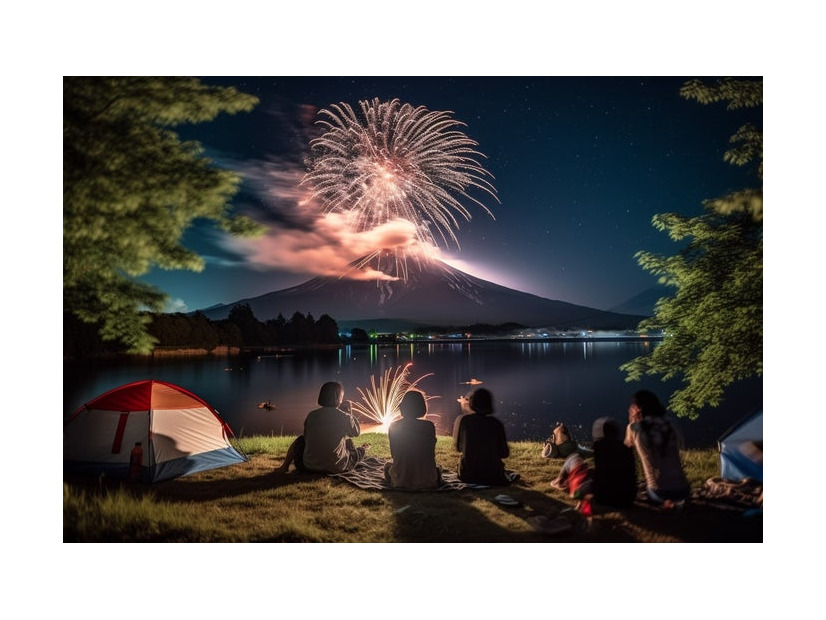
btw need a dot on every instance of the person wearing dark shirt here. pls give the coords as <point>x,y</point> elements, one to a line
<point>412,446</point>
<point>615,472</point>
<point>480,438</point>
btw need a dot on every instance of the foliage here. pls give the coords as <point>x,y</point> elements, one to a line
<point>738,93</point>
<point>195,331</point>
<point>748,140</point>
<point>359,335</point>
<point>130,190</point>
<point>713,325</point>
<point>83,339</point>
<point>252,330</point>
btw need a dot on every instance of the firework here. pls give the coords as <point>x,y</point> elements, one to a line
<point>380,402</point>
<point>396,161</point>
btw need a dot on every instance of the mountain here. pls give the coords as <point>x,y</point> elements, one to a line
<point>427,293</point>
<point>643,304</point>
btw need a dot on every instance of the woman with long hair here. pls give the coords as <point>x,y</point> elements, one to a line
<point>658,443</point>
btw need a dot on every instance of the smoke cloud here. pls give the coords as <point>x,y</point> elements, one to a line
<point>329,247</point>
<point>303,240</point>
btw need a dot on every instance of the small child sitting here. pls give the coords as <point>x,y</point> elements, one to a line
<point>560,444</point>
<point>577,479</point>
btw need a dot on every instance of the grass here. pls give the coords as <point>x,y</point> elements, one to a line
<point>250,503</point>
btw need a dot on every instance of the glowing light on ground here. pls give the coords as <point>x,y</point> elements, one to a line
<point>380,402</point>
<point>396,162</point>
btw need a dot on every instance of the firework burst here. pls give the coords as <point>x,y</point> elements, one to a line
<point>393,162</point>
<point>381,401</point>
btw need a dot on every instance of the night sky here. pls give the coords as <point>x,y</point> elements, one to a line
<point>580,164</point>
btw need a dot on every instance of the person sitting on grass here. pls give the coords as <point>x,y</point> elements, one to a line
<point>577,479</point>
<point>412,447</point>
<point>326,445</point>
<point>615,472</point>
<point>481,439</point>
<point>658,443</point>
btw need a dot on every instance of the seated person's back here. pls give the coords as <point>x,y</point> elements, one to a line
<point>658,443</point>
<point>327,431</point>
<point>481,439</point>
<point>413,446</point>
<point>615,474</point>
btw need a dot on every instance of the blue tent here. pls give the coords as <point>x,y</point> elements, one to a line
<point>741,449</point>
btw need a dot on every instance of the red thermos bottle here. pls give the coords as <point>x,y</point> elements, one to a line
<point>136,462</point>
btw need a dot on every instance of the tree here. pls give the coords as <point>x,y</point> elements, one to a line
<point>275,329</point>
<point>252,330</point>
<point>713,324</point>
<point>131,188</point>
<point>203,332</point>
<point>327,329</point>
<point>357,334</point>
<point>299,329</point>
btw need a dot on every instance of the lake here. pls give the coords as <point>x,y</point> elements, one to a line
<point>534,384</point>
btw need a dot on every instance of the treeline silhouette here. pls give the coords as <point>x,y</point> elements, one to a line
<point>241,329</point>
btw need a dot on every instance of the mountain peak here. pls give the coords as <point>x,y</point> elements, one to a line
<point>392,266</point>
<point>422,291</point>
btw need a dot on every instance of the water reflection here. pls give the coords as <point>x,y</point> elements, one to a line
<point>534,384</point>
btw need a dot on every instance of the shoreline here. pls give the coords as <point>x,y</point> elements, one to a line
<point>226,351</point>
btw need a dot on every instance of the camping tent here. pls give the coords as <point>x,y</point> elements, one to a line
<point>741,449</point>
<point>179,433</point>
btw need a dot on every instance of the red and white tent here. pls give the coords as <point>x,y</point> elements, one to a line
<point>179,433</point>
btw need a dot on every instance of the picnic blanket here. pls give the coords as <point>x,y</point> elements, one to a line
<point>745,494</point>
<point>369,474</point>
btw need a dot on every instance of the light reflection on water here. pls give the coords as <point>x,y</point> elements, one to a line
<point>534,385</point>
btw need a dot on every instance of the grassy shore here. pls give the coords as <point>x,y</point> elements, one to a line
<point>251,503</point>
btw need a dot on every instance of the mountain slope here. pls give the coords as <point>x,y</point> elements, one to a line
<point>432,293</point>
<point>643,304</point>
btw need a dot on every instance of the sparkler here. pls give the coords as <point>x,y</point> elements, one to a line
<point>393,162</point>
<point>381,401</point>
